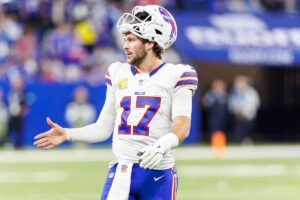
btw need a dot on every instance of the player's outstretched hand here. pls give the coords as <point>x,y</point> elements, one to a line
<point>151,155</point>
<point>51,138</point>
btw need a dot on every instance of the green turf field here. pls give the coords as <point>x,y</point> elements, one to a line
<point>204,178</point>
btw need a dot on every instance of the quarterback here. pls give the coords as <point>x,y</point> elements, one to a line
<point>147,108</point>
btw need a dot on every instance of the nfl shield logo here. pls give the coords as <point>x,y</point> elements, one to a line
<point>174,171</point>
<point>124,168</point>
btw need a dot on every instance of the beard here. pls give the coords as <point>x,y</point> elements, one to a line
<point>139,58</point>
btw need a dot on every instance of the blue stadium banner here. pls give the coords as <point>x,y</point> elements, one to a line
<point>272,39</point>
<point>50,100</point>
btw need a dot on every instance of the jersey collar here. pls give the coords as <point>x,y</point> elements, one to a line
<point>135,71</point>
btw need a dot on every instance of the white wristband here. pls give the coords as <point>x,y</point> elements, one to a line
<point>170,141</point>
<point>68,135</point>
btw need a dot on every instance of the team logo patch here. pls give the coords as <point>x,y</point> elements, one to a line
<point>124,168</point>
<point>174,171</point>
<point>168,18</point>
<point>122,83</point>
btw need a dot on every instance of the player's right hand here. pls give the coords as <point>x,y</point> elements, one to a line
<point>151,155</point>
<point>51,138</point>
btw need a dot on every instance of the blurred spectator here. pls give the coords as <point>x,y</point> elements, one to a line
<point>80,112</point>
<point>3,116</point>
<point>10,32</point>
<point>290,6</point>
<point>17,107</point>
<point>215,100</point>
<point>253,6</point>
<point>237,6</point>
<point>243,103</point>
<point>62,44</point>
<point>26,46</point>
<point>11,28</point>
<point>86,34</point>
<point>273,5</point>
<point>52,70</point>
<point>149,2</point>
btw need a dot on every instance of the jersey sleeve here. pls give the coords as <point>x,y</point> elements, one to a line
<point>102,129</point>
<point>99,131</point>
<point>187,78</point>
<point>110,74</point>
<point>182,103</point>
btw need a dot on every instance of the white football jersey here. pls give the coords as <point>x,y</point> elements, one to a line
<point>143,106</point>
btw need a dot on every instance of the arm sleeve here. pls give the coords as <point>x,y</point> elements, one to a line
<point>182,102</point>
<point>102,129</point>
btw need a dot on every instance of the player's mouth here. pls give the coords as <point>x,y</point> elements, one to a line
<point>129,55</point>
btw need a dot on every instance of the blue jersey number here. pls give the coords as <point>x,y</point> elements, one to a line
<point>142,127</point>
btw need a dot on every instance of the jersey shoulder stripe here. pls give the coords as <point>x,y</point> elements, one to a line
<point>189,74</point>
<point>186,82</point>
<point>188,77</point>
<point>108,78</point>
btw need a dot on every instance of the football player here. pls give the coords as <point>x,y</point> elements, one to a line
<point>148,108</point>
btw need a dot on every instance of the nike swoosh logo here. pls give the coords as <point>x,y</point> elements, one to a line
<point>157,178</point>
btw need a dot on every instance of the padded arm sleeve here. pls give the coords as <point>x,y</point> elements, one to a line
<point>102,129</point>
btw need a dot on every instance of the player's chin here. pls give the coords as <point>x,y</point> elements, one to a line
<point>129,60</point>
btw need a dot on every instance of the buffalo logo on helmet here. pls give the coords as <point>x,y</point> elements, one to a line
<point>168,18</point>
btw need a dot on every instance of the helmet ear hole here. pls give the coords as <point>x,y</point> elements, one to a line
<point>158,32</point>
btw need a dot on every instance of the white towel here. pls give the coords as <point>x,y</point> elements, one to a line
<point>121,183</point>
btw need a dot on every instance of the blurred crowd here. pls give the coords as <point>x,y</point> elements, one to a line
<point>57,41</point>
<point>253,6</point>
<point>75,40</point>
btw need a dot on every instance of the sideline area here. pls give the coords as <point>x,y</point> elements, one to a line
<point>182,153</point>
